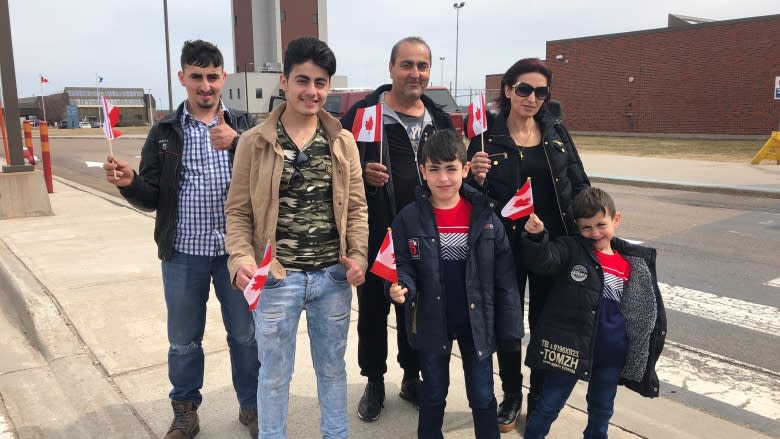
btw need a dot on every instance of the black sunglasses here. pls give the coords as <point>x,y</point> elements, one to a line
<point>524,90</point>
<point>296,179</point>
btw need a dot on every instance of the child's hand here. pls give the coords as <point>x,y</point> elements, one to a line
<point>398,293</point>
<point>534,225</point>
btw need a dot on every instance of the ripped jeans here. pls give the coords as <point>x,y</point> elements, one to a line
<point>326,296</point>
<point>186,281</point>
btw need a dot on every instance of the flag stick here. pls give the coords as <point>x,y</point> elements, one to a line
<point>380,149</point>
<point>111,153</point>
<point>482,138</point>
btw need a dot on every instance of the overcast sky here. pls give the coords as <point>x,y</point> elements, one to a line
<point>124,41</point>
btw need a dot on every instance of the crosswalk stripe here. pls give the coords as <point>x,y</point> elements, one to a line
<point>773,283</point>
<point>761,318</point>
<point>723,379</point>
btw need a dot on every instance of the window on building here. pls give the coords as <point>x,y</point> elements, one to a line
<point>258,93</point>
<point>231,93</point>
<point>283,16</point>
<point>238,93</point>
<point>314,18</point>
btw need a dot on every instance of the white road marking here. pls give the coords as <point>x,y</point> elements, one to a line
<point>633,241</point>
<point>761,318</point>
<point>94,164</point>
<point>729,381</point>
<point>773,283</point>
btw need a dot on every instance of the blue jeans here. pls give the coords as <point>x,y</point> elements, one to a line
<point>557,388</point>
<point>186,284</point>
<point>478,374</point>
<point>327,298</point>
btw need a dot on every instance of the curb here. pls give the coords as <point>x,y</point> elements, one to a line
<point>687,186</point>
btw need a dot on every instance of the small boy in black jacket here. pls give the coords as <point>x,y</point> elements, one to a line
<point>456,278</point>
<point>604,321</point>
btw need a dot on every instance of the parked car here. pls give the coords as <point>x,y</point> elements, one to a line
<point>85,125</point>
<point>63,124</point>
<point>96,124</point>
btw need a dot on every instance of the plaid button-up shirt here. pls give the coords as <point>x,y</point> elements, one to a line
<point>205,178</point>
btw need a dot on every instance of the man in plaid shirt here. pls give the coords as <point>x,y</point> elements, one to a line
<point>185,172</point>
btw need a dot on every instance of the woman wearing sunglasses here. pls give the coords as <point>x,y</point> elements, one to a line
<point>527,140</point>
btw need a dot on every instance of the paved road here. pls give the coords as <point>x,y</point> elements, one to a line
<point>720,279</point>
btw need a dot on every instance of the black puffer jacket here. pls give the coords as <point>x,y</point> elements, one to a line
<point>564,337</point>
<point>382,206</point>
<point>156,185</point>
<point>495,311</point>
<point>504,178</point>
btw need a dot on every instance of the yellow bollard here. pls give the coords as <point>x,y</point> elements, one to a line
<point>27,127</point>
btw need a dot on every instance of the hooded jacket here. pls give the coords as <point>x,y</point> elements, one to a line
<point>156,185</point>
<point>564,336</point>
<point>495,311</point>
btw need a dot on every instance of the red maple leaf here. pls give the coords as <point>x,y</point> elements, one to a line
<point>522,201</point>
<point>477,114</point>
<point>370,124</point>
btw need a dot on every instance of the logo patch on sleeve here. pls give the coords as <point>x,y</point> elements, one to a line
<point>414,248</point>
<point>578,273</point>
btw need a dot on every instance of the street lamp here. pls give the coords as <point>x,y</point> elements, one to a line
<point>441,58</point>
<point>246,82</point>
<point>457,6</point>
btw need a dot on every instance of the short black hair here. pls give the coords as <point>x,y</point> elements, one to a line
<point>201,54</point>
<point>443,146</point>
<point>410,40</point>
<point>592,201</point>
<point>311,49</point>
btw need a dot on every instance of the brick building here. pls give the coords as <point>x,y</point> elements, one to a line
<point>694,77</point>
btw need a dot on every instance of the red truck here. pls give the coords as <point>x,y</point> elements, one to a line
<point>341,100</point>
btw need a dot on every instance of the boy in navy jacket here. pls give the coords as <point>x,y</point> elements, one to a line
<point>604,321</point>
<point>456,279</point>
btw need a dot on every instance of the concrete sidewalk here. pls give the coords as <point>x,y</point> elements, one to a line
<point>84,339</point>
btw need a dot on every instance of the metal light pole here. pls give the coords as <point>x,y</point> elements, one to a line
<point>168,55</point>
<point>151,118</point>
<point>441,58</point>
<point>457,6</point>
<point>246,82</point>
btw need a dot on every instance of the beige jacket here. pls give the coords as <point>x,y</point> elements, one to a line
<point>252,207</point>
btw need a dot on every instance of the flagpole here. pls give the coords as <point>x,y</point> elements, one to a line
<point>108,138</point>
<point>382,137</point>
<point>99,118</point>
<point>43,102</point>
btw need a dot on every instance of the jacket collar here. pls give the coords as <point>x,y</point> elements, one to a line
<point>331,125</point>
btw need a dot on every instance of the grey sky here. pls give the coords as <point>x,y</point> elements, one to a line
<point>70,41</point>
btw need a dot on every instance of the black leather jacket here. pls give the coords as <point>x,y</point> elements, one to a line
<point>503,180</point>
<point>495,310</point>
<point>382,206</point>
<point>156,185</point>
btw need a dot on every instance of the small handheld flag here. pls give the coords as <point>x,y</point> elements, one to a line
<point>520,205</point>
<point>44,80</point>
<point>477,117</point>
<point>110,119</point>
<point>384,264</point>
<point>367,126</point>
<point>255,286</point>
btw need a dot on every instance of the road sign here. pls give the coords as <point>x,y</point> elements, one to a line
<point>777,87</point>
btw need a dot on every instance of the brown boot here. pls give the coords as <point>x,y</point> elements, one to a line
<point>248,417</point>
<point>185,423</point>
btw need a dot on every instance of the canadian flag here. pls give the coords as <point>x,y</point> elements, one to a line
<point>44,80</point>
<point>477,117</point>
<point>110,119</point>
<point>522,204</point>
<point>255,286</point>
<point>367,126</point>
<point>384,264</point>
